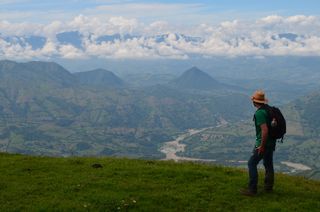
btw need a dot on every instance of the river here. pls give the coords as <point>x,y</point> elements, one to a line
<point>171,148</point>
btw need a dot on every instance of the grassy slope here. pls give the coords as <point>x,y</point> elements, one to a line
<point>36,183</point>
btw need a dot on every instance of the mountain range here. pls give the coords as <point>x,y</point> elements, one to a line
<point>284,78</point>
<point>45,109</point>
<point>76,39</point>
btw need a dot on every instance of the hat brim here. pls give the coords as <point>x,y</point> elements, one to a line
<point>259,101</point>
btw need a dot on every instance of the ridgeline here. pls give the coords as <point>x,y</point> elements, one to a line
<point>30,183</point>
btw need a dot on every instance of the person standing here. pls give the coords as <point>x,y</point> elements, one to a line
<point>263,149</point>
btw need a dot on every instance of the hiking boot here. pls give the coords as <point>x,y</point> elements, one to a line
<point>248,192</point>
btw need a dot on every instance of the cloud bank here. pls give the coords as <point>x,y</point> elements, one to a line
<point>119,37</point>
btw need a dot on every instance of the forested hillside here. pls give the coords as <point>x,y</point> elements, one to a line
<point>44,109</point>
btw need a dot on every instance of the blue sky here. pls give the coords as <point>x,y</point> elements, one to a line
<point>178,11</point>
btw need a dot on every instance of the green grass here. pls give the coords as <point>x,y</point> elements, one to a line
<point>72,184</point>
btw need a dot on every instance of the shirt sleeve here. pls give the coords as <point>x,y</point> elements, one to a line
<point>261,117</point>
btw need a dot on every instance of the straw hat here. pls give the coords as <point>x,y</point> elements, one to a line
<point>259,97</point>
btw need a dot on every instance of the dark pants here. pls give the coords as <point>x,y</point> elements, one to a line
<point>268,165</point>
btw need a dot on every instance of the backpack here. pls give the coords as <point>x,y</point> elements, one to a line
<point>276,122</point>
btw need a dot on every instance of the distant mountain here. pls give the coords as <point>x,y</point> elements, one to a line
<point>194,78</point>
<point>100,78</point>
<point>158,38</point>
<point>115,37</point>
<point>30,74</point>
<point>175,36</point>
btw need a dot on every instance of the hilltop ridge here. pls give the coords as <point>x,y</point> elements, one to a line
<point>99,77</point>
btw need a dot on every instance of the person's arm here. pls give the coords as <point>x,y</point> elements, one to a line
<point>264,137</point>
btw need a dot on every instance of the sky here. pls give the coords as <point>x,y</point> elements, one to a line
<point>222,27</point>
<point>176,11</point>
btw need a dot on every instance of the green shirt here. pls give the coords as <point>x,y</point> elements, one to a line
<point>261,117</point>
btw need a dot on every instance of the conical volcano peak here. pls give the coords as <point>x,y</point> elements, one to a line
<point>194,78</point>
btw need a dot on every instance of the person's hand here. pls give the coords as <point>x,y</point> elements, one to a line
<point>261,150</point>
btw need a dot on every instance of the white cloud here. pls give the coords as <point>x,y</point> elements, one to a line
<point>272,19</point>
<point>159,25</point>
<point>70,52</point>
<point>18,29</point>
<point>271,35</point>
<point>124,25</point>
<point>301,20</point>
<point>49,48</point>
<point>52,29</point>
<point>297,24</point>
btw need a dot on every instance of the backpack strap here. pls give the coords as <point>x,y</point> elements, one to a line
<point>266,107</point>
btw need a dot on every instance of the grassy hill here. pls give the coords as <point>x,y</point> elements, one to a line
<point>68,184</point>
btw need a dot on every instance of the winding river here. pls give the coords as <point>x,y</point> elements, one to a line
<point>171,148</point>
